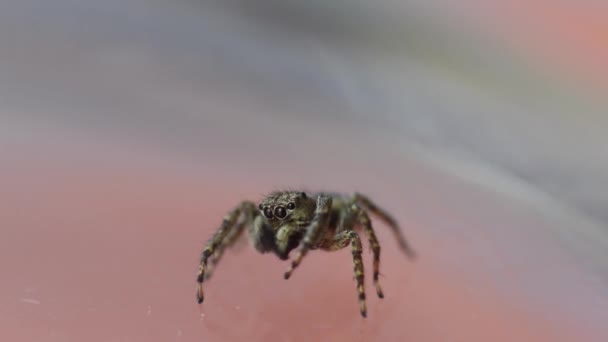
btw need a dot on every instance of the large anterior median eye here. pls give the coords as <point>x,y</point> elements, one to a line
<point>280,212</point>
<point>268,212</point>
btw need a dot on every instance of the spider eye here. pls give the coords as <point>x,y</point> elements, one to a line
<point>280,212</point>
<point>291,206</point>
<point>268,212</point>
<point>260,206</point>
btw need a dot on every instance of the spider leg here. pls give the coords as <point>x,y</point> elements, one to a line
<point>232,236</point>
<point>316,229</point>
<point>228,228</point>
<point>364,221</point>
<point>341,240</point>
<point>366,203</point>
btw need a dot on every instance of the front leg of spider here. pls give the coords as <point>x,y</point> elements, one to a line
<point>368,230</point>
<point>342,240</point>
<point>316,228</point>
<point>226,233</point>
<point>228,241</point>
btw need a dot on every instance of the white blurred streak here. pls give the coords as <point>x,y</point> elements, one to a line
<point>134,68</point>
<point>30,301</point>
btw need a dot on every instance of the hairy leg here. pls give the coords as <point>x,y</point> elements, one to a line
<point>227,228</point>
<point>366,203</point>
<point>341,240</point>
<point>232,236</point>
<point>365,222</point>
<point>316,228</point>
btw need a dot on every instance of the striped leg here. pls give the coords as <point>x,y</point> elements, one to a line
<point>341,240</point>
<point>373,242</point>
<point>217,242</point>
<point>232,236</point>
<point>366,203</point>
<point>318,225</point>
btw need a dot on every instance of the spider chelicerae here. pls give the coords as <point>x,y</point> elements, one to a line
<point>286,220</point>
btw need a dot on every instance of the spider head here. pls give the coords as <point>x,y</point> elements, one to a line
<point>284,207</point>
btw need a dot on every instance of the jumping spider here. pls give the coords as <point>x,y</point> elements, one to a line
<point>288,219</point>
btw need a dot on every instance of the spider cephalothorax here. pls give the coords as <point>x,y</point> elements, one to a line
<point>287,220</point>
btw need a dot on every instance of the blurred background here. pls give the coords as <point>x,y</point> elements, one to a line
<point>129,128</point>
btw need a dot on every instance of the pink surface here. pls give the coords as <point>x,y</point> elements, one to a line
<point>105,248</point>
